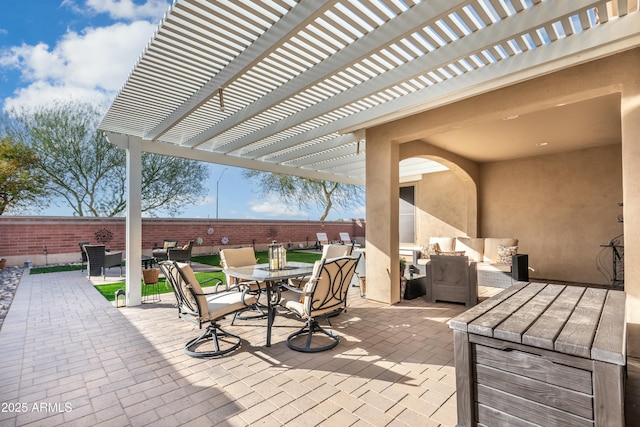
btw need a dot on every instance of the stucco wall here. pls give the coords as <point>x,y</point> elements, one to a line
<point>440,212</point>
<point>562,207</point>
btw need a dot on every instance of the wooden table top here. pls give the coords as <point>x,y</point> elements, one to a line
<point>575,320</point>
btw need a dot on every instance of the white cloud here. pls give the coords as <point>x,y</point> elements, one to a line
<point>273,207</point>
<point>93,64</point>
<point>120,9</point>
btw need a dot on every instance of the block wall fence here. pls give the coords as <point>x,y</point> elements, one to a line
<point>54,240</point>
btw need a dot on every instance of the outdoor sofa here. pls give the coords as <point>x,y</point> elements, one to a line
<point>498,263</point>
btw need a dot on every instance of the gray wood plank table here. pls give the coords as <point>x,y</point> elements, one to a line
<point>542,354</point>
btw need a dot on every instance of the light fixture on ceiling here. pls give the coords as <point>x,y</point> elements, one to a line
<point>512,117</point>
<point>542,144</point>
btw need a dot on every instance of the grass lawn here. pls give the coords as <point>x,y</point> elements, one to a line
<point>109,290</point>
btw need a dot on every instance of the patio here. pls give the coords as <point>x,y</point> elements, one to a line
<point>70,357</point>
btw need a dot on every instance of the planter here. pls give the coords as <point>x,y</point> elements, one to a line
<point>150,276</point>
<point>3,262</point>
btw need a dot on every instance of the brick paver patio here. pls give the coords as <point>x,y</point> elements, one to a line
<point>69,357</point>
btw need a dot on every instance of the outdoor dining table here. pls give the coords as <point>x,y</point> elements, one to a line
<point>272,279</point>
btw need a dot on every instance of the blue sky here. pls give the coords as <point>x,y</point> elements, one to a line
<point>84,49</point>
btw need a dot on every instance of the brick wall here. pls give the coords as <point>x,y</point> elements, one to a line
<point>51,240</point>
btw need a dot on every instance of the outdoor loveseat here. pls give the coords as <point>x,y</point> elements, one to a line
<point>498,263</point>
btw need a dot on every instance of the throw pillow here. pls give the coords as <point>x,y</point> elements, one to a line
<point>168,245</point>
<point>430,249</point>
<point>453,253</point>
<point>185,247</point>
<point>505,254</point>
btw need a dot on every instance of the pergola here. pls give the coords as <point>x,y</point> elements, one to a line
<point>292,86</point>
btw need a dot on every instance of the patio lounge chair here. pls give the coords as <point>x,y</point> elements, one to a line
<point>322,239</point>
<point>345,239</point>
<point>99,260</point>
<point>323,296</point>
<point>182,254</point>
<point>198,307</point>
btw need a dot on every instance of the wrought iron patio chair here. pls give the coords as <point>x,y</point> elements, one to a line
<point>198,307</point>
<point>328,251</point>
<point>240,257</point>
<point>322,297</point>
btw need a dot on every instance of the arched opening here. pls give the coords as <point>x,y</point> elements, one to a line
<point>438,194</point>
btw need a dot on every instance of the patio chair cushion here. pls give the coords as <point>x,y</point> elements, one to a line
<point>239,257</point>
<point>491,248</point>
<point>445,244</point>
<point>472,247</point>
<point>215,305</point>
<point>298,302</point>
<point>170,244</point>
<point>195,285</point>
<point>335,251</point>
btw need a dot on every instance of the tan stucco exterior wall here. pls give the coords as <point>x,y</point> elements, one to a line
<point>440,207</point>
<point>573,195</point>
<point>615,74</point>
<point>561,207</point>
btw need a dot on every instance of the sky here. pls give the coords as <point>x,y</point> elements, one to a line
<point>85,49</point>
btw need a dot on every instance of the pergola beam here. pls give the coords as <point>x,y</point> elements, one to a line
<point>298,17</point>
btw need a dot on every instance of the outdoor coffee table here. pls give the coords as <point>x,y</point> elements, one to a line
<point>148,261</point>
<point>272,278</point>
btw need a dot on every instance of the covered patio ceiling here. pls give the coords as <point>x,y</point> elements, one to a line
<point>290,86</point>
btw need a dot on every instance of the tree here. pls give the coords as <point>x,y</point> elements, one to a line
<point>88,174</point>
<point>306,192</point>
<point>20,182</point>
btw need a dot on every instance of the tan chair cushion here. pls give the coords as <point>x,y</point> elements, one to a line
<point>215,305</point>
<point>446,244</point>
<point>239,257</point>
<point>472,247</point>
<point>336,251</point>
<point>195,285</point>
<point>491,248</point>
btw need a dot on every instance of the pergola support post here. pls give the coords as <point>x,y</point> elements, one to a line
<point>134,224</point>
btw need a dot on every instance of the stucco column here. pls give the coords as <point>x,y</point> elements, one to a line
<point>630,112</point>
<point>134,225</point>
<point>382,248</point>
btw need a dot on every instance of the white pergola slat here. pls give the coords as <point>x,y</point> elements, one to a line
<point>287,85</point>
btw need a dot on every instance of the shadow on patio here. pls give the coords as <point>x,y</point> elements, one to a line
<point>70,357</point>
